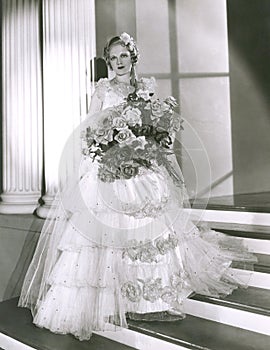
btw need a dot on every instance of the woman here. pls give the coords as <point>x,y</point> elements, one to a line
<point>120,244</point>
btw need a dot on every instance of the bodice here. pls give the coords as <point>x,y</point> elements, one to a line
<point>113,93</point>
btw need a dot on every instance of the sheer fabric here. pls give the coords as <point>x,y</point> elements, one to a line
<point>122,247</point>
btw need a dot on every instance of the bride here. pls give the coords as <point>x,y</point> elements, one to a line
<point>119,244</point>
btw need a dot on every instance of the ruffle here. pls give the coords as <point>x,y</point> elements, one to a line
<point>80,310</point>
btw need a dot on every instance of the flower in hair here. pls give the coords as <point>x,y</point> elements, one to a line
<point>126,38</point>
<point>129,42</point>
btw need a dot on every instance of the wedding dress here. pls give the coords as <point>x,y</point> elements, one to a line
<point>127,247</point>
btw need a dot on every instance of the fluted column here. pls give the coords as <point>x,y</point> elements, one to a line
<point>22,107</point>
<point>68,46</point>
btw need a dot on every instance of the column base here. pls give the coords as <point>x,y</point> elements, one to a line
<point>19,203</point>
<point>45,210</point>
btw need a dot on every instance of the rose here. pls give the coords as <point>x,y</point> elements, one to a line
<point>103,136</point>
<point>158,109</point>
<point>139,143</point>
<point>179,281</point>
<point>126,38</point>
<point>132,291</point>
<point>169,295</point>
<point>148,253</point>
<point>144,94</point>
<point>132,116</point>
<point>107,122</point>
<point>119,123</point>
<point>171,101</point>
<point>124,136</point>
<point>129,169</point>
<point>132,250</point>
<point>152,289</point>
<point>164,245</point>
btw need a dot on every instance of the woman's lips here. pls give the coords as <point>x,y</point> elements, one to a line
<point>121,67</point>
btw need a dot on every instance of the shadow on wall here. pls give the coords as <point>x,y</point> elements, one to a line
<point>16,279</point>
<point>98,68</point>
<point>249,48</point>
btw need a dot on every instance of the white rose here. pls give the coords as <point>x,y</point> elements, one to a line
<point>133,116</point>
<point>119,123</point>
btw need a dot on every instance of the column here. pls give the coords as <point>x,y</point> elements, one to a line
<point>22,107</point>
<point>68,47</point>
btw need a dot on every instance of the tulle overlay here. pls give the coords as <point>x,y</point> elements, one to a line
<point>129,246</point>
<point>76,285</point>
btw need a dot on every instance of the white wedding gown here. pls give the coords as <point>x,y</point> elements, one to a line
<point>131,248</point>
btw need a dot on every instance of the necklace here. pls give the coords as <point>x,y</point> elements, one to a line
<point>122,87</point>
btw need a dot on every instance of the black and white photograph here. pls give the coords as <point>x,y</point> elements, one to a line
<point>135,175</point>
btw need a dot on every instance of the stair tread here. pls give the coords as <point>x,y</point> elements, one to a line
<point>251,299</point>
<point>198,333</point>
<point>17,323</point>
<point>250,202</point>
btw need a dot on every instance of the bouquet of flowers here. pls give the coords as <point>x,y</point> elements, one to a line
<point>135,134</point>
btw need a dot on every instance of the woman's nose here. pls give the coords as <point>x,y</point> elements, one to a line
<point>119,60</point>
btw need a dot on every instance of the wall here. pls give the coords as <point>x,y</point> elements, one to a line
<point>249,47</point>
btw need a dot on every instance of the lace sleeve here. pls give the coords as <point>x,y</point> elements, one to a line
<point>102,86</point>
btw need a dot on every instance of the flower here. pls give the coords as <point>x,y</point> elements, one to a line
<point>108,121</point>
<point>132,116</point>
<point>129,169</point>
<point>132,291</point>
<point>169,295</point>
<point>148,253</point>
<point>179,281</point>
<point>148,85</point>
<point>158,109</point>
<point>144,94</point>
<point>139,143</point>
<point>126,38</point>
<point>164,245</point>
<point>103,135</point>
<point>125,136</point>
<point>171,101</point>
<point>119,123</point>
<point>152,289</point>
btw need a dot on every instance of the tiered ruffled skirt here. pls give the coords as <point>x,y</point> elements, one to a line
<point>140,255</point>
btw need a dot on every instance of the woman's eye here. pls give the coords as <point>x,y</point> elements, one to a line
<point>113,58</point>
<point>124,55</point>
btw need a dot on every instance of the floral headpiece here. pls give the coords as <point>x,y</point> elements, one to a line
<point>128,42</point>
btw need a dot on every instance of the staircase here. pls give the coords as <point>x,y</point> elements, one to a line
<point>240,321</point>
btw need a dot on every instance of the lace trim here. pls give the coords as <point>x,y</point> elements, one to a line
<point>105,85</point>
<point>149,209</point>
<point>149,251</point>
<point>153,289</point>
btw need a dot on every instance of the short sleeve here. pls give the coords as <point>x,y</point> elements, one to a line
<point>102,86</point>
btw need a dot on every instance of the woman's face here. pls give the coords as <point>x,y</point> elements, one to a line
<point>120,59</point>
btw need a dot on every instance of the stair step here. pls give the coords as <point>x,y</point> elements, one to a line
<point>252,299</point>
<point>232,220</point>
<point>247,234</point>
<point>245,308</point>
<point>250,202</point>
<point>198,333</point>
<point>16,323</point>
